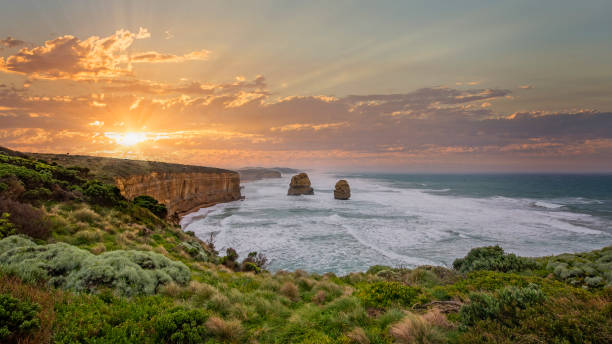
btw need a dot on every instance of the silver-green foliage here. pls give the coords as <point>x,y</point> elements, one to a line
<point>592,269</point>
<point>62,265</point>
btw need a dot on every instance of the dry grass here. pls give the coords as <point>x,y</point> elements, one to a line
<point>414,329</point>
<point>358,335</point>
<point>435,317</point>
<point>226,329</point>
<point>319,297</point>
<point>290,290</point>
<point>98,248</point>
<point>39,295</point>
<point>86,215</point>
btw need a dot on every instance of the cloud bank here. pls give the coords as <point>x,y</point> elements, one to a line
<point>241,122</point>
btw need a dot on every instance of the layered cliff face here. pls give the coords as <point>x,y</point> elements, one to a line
<point>182,188</point>
<point>183,192</point>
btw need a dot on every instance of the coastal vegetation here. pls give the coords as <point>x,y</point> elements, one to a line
<point>81,264</point>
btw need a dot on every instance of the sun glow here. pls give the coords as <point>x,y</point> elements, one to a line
<point>127,139</point>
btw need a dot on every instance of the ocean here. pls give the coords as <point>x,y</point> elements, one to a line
<point>410,219</point>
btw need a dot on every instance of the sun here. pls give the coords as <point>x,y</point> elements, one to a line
<point>127,139</point>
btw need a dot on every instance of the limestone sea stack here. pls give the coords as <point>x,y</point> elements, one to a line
<point>300,185</point>
<point>342,190</point>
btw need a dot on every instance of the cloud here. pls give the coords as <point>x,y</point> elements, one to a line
<point>95,58</point>
<point>155,57</point>
<point>133,85</point>
<point>68,57</point>
<point>10,42</point>
<point>306,126</point>
<point>525,87</point>
<point>240,122</point>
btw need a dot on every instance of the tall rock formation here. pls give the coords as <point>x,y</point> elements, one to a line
<point>342,190</point>
<point>183,192</point>
<point>300,185</point>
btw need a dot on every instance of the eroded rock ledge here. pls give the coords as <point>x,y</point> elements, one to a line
<point>183,192</point>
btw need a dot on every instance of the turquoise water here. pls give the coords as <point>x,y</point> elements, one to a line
<point>408,220</point>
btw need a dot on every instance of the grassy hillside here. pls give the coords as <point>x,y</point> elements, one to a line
<point>108,168</point>
<point>78,263</point>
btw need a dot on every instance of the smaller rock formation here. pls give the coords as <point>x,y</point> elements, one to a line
<point>300,185</point>
<point>342,190</point>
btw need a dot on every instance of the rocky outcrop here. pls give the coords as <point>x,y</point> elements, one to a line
<point>300,185</point>
<point>342,190</point>
<point>257,173</point>
<point>183,192</point>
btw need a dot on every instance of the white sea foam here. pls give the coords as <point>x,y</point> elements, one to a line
<point>382,224</point>
<point>547,205</point>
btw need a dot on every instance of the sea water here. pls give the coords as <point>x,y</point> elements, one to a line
<point>409,220</point>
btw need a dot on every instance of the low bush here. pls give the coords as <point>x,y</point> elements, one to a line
<point>230,258</point>
<point>255,262</point>
<point>100,193</point>
<point>383,294</point>
<point>7,228</point>
<point>502,305</point>
<point>152,204</point>
<point>27,219</point>
<point>62,265</point>
<point>17,318</point>
<point>195,250</point>
<point>181,325</point>
<point>492,258</point>
<point>589,269</point>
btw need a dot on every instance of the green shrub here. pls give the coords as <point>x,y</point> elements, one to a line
<point>62,265</point>
<point>502,305</point>
<point>492,258</point>
<point>102,194</point>
<point>383,294</point>
<point>181,325</point>
<point>230,258</point>
<point>195,250</point>
<point>17,318</point>
<point>152,204</point>
<point>255,262</point>
<point>7,228</point>
<point>589,269</point>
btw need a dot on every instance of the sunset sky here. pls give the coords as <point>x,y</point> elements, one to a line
<point>413,86</point>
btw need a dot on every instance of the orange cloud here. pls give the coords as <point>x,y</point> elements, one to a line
<point>155,57</point>
<point>305,126</point>
<point>68,57</point>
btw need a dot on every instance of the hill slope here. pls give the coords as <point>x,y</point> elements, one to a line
<point>80,263</point>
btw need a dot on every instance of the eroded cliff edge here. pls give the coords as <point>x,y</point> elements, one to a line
<point>183,192</point>
<point>182,188</point>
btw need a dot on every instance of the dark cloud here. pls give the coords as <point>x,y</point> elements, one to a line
<point>10,42</point>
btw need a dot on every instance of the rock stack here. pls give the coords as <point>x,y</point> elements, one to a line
<point>300,185</point>
<point>342,190</point>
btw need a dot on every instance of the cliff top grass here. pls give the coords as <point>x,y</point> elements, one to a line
<point>107,169</point>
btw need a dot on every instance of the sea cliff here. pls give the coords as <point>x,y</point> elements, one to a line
<point>185,191</point>
<point>182,188</point>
